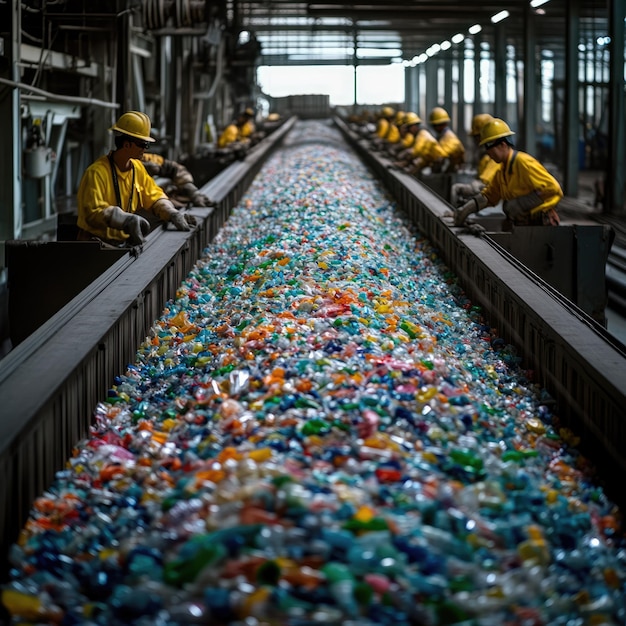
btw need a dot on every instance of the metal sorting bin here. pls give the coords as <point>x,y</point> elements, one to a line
<point>571,259</point>
<point>42,277</point>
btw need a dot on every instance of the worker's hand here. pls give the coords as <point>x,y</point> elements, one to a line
<point>471,206</point>
<point>550,218</point>
<point>478,230</point>
<point>190,219</point>
<point>137,228</point>
<point>460,192</point>
<point>196,197</point>
<point>179,221</point>
<point>199,199</point>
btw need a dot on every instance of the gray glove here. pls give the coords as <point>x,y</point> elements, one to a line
<point>522,205</point>
<point>461,191</point>
<point>478,230</point>
<point>135,226</point>
<point>197,197</point>
<point>178,219</point>
<point>471,206</point>
<point>166,211</point>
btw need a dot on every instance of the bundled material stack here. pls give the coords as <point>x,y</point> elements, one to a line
<point>321,429</point>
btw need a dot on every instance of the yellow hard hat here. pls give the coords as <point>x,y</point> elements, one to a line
<point>387,111</point>
<point>249,112</point>
<point>134,124</point>
<point>495,129</point>
<point>400,117</point>
<point>412,118</point>
<point>273,117</point>
<point>478,121</point>
<point>439,116</point>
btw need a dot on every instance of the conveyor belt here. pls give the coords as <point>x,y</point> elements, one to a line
<point>49,408</point>
<point>577,362</point>
<point>51,382</point>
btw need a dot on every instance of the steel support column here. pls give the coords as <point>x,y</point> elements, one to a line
<point>408,89</point>
<point>448,103</point>
<point>528,123</point>
<point>432,99</point>
<point>614,188</point>
<point>500,71</point>
<point>572,113</point>
<point>461,122</point>
<point>478,105</point>
<point>10,148</point>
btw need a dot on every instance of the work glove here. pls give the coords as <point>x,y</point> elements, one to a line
<point>473,205</point>
<point>519,207</point>
<point>199,199</point>
<point>196,197</point>
<point>460,192</point>
<point>165,210</point>
<point>135,226</point>
<point>550,218</point>
<point>478,230</point>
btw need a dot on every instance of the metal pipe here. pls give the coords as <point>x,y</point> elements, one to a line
<point>58,97</point>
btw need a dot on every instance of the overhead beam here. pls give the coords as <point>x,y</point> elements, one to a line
<point>282,59</point>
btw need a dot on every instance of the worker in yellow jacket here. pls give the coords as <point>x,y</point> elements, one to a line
<point>383,123</point>
<point>530,193</point>
<point>116,186</point>
<point>452,147</point>
<point>425,151</point>
<point>485,169</point>
<point>408,128</point>
<point>238,134</point>
<point>247,128</point>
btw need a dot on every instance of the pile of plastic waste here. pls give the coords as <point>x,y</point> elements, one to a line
<point>321,428</point>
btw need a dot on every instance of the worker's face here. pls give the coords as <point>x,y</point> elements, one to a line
<point>498,150</point>
<point>138,146</point>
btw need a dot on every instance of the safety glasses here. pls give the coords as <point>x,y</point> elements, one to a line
<point>141,144</point>
<point>493,144</point>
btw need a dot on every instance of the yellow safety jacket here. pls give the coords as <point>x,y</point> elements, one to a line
<point>452,147</point>
<point>382,127</point>
<point>407,140</point>
<point>393,134</point>
<point>487,169</point>
<point>247,129</point>
<point>426,147</point>
<point>96,192</point>
<point>520,175</point>
<point>229,135</point>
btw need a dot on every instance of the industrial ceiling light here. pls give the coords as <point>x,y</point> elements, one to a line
<point>537,3</point>
<point>498,17</point>
<point>473,30</point>
<point>458,38</point>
